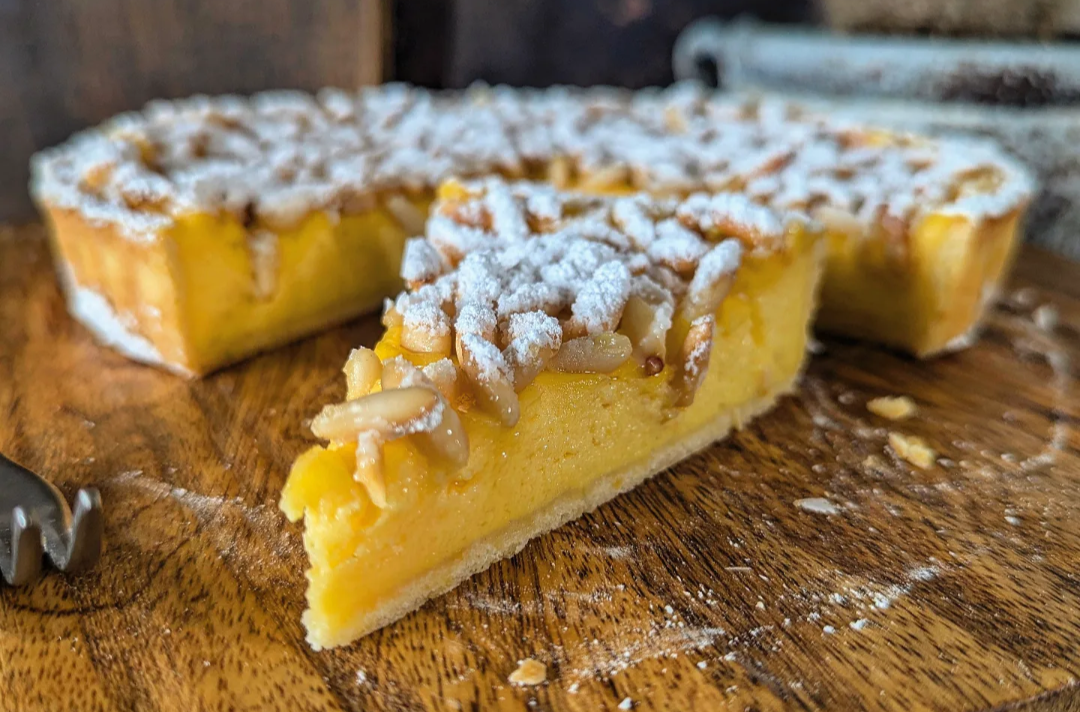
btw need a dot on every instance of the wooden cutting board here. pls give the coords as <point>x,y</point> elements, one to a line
<point>711,587</point>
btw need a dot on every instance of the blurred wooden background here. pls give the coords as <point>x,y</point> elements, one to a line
<point>67,64</point>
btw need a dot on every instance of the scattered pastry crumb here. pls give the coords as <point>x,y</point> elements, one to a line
<point>626,704</point>
<point>818,505</point>
<point>361,677</point>
<point>892,407</point>
<point>1012,519</point>
<point>574,688</point>
<point>1046,317</point>
<point>761,605</point>
<point>1025,296</point>
<point>702,665</point>
<point>529,672</point>
<point>875,463</point>
<point>913,449</point>
<point>859,624</point>
<point>829,630</point>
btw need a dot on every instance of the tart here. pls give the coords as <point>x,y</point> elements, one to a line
<point>552,350</point>
<point>198,232</point>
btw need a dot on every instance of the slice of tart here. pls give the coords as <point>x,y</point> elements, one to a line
<point>200,231</point>
<point>553,350</point>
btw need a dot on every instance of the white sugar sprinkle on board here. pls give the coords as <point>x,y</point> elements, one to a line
<point>818,505</point>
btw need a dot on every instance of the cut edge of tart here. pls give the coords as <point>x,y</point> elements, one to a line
<point>553,350</point>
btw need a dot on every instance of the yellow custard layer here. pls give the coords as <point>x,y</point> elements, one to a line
<point>581,439</point>
<point>194,296</point>
<point>204,297</point>
<point>926,300</point>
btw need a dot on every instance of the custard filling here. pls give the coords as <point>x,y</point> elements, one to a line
<point>381,543</point>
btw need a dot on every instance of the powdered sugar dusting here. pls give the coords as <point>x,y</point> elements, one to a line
<point>427,317</point>
<point>202,505</point>
<point>521,284</point>
<point>530,334</point>
<point>96,312</point>
<point>421,262</point>
<point>600,301</point>
<point>277,156</point>
<point>818,505</point>
<point>719,262</point>
<point>725,210</point>
<point>491,364</point>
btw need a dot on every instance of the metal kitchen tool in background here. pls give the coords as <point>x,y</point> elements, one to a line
<point>1023,94</point>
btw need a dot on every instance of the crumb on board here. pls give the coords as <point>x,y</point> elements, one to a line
<point>1046,317</point>
<point>626,704</point>
<point>913,449</point>
<point>892,407</point>
<point>1024,297</point>
<point>873,462</point>
<point>529,672</point>
<point>819,505</point>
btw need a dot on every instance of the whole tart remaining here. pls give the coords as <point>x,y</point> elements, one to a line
<point>200,231</point>
<point>552,350</point>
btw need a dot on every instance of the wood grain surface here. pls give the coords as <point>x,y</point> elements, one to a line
<point>953,588</point>
<point>69,64</point>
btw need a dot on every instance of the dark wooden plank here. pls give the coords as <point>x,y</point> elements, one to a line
<point>952,588</point>
<point>68,64</point>
<point>422,42</point>
<point>619,42</point>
